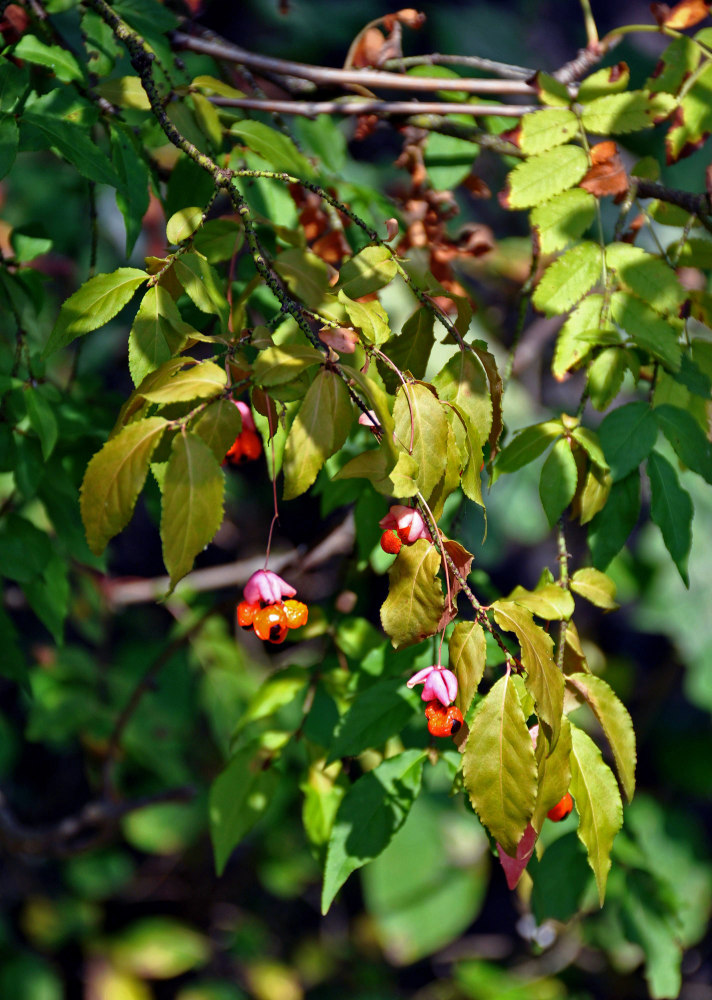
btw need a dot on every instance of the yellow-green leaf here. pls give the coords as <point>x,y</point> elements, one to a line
<point>499,766</point>
<point>596,587</point>
<point>218,425</point>
<point>125,92</point>
<point>367,271</point>
<point>319,429</point>
<point>419,416</point>
<point>615,114</point>
<point>114,479</point>
<point>415,601</point>
<point>550,602</point>
<point>94,304</point>
<point>192,503</point>
<point>615,722</point>
<point>201,381</point>
<point>598,803</point>
<point>468,651</point>
<point>554,777</point>
<point>568,279</point>
<point>564,218</point>
<point>276,365</point>
<point>546,129</point>
<point>544,679</point>
<point>158,332</point>
<point>183,224</point>
<point>369,317</point>
<point>540,177</point>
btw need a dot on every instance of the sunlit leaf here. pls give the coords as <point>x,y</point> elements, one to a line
<point>415,601</point>
<point>468,650</point>
<point>615,722</point>
<point>499,767</point>
<point>319,429</point>
<point>598,803</point>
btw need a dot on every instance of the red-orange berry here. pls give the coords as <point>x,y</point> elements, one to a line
<point>270,623</point>
<point>251,445</point>
<point>234,452</point>
<point>443,720</point>
<point>296,613</point>
<point>246,613</point>
<point>390,542</point>
<point>562,809</point>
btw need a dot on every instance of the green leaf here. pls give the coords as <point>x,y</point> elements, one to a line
<point>12,663</point>
<point>596,587</point>
<point>239,797</point>
<point>73,143</point>
<point>605,376</point>
<point>276,365</point>
<point>548,601</point>
<point>192,503</point>
<point>693,123</point>
<point>544,680</point>
<point>450,479</point>
<point>499,766</point>
<point>554,772</point>
<point>25,551</point>
<point>415,601</point>
<point>649,921</point>
<point>598,803</point>
<point>158,332</point>
<point>368,317</point>
<point>647,276</point>
<point>42,420</point>
<point>201,381</point>
<point>132,196</point>
<point>371,813</point>
<point>671,509</point>
<point>568,279</point>
<point>574,342</point>
<point>201,284</point>
<point>218,425</point>
<point>376,714</point>
<point>367,271</point>
<point>588,440</point>
<point>48,596</point>
<point>182,224</point>
<point>276,147</point>
<point>616,723</point>
<point>9,140</point>
<point>94,304</point>
<point>616,114</point>
<point>410,350</point>
<point>62,63</point>
<point>539,178</point>
<point>319,429</point>
<point>678,61</point>
<point>14,81</point>
<point>612,79</point>
<point>420,416</point>
<point>647,330</point>
<point>125,92</point>
<point>546,129</point>
<point>114,479</point>
<point>527,445</point>
<point>557,483</point>
<point>277,691</point>
<point>611,527</point>
<point>448,160</point>
<point>627,435</point>
<point>218,240</point>
<point>468,651</point>
<point>687,438</point>
<point>29,242</point>
<point>564,218</point>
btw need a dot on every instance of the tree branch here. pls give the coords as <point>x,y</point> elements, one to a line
<point>329,76</point>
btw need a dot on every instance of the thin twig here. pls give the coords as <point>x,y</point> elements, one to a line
<point>355,106</point>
